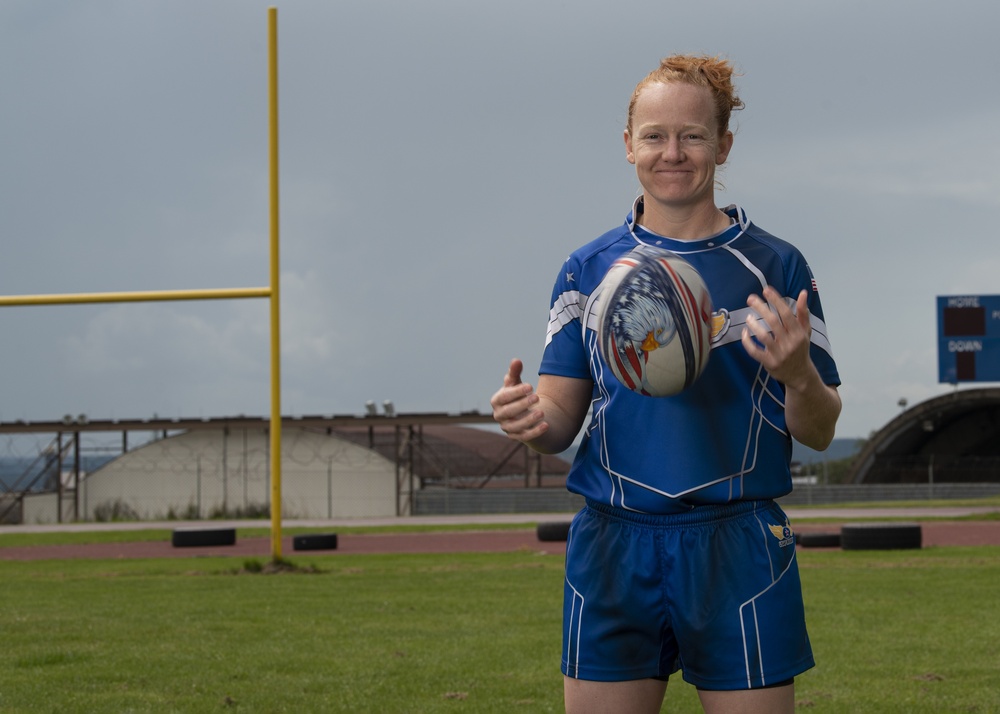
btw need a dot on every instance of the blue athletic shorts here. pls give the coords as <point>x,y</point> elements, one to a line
<point>714,592</point>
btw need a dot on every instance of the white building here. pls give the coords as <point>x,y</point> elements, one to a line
<point>212,472</point>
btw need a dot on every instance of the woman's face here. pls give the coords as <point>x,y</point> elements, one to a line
<point>675,145</point>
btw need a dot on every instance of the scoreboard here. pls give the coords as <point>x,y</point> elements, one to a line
<point>968,338</point>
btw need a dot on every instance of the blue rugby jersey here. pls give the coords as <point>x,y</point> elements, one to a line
<point>724,438</point>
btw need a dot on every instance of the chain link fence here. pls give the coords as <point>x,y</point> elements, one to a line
<point>205,474</point>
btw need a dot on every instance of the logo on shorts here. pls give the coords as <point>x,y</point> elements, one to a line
<point>783,534</point>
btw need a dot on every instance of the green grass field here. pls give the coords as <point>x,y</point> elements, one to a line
<point>905,631</point>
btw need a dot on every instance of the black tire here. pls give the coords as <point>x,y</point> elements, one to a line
<point>555,531</point>
<point>197,537</point>
<point>880,536</point>
<point>817,539</point>
<point>315,541</point>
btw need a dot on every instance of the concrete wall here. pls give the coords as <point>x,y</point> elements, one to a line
<point>545,500</point>
<point>495,500</point>
<point>41,508</point>
<point>834,494</point>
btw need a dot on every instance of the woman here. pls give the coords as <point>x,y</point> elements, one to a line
<point>681,560</point>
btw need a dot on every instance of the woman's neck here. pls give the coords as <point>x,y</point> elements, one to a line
<point>680,224</point>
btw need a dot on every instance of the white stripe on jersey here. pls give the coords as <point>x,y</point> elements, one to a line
<point>565,309</point>
<point>819,336</point>
<point>759,390</point>
<point>738,319</point>
<point>748,265</point>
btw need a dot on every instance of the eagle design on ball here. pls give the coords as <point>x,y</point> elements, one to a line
<point>655,322</point>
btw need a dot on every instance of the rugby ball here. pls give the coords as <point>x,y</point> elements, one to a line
<point>653,316</point>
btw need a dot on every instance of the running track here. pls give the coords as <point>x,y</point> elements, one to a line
<point>936,533</point>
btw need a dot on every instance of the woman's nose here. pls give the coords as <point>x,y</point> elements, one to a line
<point>672,150</point>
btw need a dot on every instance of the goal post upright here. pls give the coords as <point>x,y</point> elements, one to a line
<point>271,292</point>
<point>272,34</point>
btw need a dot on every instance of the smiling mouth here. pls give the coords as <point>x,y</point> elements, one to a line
<point>672,172</point>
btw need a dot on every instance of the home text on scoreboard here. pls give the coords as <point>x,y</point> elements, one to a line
<point>968,338</point>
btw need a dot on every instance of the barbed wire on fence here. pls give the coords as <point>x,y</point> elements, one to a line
<point>222,473</point>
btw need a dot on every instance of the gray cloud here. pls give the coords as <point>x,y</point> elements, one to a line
<point>438,162</point>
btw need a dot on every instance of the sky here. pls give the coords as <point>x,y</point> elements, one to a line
<point>439,160</point>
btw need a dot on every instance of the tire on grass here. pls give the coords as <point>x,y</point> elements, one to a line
<point>315,541</point>
<point>818,539</point>
<point>554,531</point>
<point>880,536</point>
<point>197,537</point>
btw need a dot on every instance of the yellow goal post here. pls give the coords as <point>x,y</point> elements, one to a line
<point>272,291</point>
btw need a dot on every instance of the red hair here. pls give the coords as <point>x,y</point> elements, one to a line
<point>710,72</point>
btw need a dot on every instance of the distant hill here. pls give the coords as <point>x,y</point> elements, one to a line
<point>840,449</point>
<point>23,470</point>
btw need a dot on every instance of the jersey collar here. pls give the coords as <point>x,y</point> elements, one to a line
<point>647,237</point>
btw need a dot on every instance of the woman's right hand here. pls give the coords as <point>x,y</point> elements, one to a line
<point>515,407</point>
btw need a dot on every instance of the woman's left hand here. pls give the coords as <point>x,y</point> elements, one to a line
<point>779,339</point>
